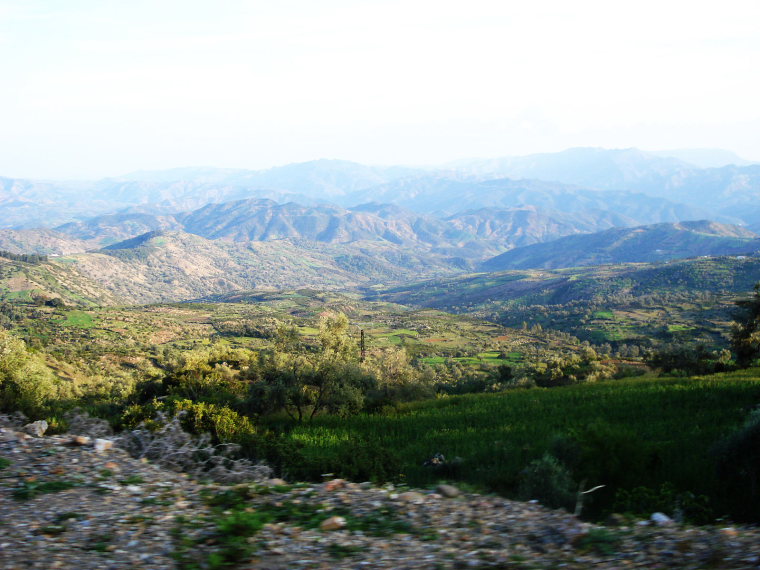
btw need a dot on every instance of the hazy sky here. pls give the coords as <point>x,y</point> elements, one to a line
<point>104,87</point>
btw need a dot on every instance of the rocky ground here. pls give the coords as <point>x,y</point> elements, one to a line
<point>81,506</point>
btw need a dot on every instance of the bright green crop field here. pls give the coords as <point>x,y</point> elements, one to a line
<point>630,433</point>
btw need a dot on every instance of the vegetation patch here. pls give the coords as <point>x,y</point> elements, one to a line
<point>607,315</point>
<point>78,319</point>
<point>30,489</point>
<point>636,440</point>
<point>341,551</point>
<point>601,541</point>
<point>680,328</point>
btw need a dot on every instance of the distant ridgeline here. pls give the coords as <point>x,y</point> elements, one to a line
<point>34,258</point>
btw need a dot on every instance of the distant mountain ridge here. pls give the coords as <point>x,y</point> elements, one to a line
<point>725,190</point>
<point>658,242</point>
<point>603,169</point>
<point>42,241</point>
<point>473,234</point>
<point>480,291</point>
<point>705,157</point>
<point>339,222</point>
<point>174,266</point>
<point>625,178</point>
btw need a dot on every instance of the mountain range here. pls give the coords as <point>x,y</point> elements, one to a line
<point>657,242</point>
<point>191,232</point>
<point>475,233</point>
<point>677,190</point>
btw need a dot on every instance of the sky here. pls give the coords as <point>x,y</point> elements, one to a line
<point>104,87</point>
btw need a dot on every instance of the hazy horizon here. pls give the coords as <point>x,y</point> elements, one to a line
<point>100,90</point>
<point>442,165</point>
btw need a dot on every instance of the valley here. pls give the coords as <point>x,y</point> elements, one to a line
<point>412,285</point>
<point>526,333</point>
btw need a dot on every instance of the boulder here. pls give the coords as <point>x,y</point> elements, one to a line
<point>13,436</point>
<point>102,445</point>
<point>335,484</point>
<point>661,519</point>
<point>412,497</point>
<point>448,491</point>
<point>333,523</point>
<point>37,429</point>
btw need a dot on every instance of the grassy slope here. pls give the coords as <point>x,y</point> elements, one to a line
<point>716,274</point>
<point>21,281</point>
<point>658,242</point>
<point>632,302</point>
<point>673,423</point>
<point>121,341</point>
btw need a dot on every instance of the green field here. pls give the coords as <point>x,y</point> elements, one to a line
<point>631,433</point>
<point>78,319</point>
<point>489,357</point>
<point>604,315</point>
<point>680,328</point>
<point>636,303</point>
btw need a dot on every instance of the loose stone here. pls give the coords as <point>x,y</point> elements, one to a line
<point>448,491</point>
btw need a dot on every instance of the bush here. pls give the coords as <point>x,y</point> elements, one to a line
<point>614,456</point>
<point>222,423</point>
<point>745,336</point>
<point>26,383</point>
<point>686,360</point>
<point>564,370</point>
<point>305,385</point>
<point>681,506</point>
<point>738,464</point>
<point>548,481</point>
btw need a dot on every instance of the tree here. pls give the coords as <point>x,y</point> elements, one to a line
<point>304,384</point>
<point>745,333</point>
<point>26,383</point>
<point>334,338</point>
<point>396,379</point>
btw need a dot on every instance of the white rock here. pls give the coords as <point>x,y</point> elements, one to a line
<point>102,445</point>
<point>37,429</point>
<point>661,519</point>
<point>448,491</point>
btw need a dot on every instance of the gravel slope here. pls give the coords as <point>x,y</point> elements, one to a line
<point>72,507</point>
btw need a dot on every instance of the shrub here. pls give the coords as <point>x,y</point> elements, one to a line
<point>224,424</point>
<point>745,335</point>
<point>614,456</point>
<point>548,481</point>
<point>304,385</point>
<point>26,383</point>
<point>600,540</point>
<point>681,506</point>
<point>738,463</point>
<point>684,360</point>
